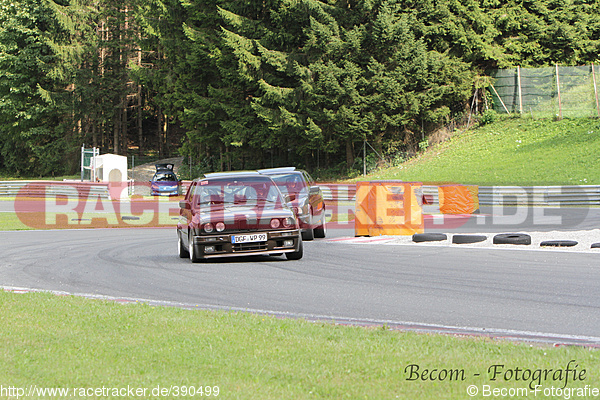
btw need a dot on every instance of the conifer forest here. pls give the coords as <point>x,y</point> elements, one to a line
<point>250,84</point>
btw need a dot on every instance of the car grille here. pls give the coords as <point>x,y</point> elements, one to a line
<point>250,246</point>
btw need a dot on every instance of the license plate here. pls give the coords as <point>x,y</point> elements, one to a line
<point>255,237</point>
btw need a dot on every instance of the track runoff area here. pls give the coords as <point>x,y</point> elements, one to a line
<point>390,213</point>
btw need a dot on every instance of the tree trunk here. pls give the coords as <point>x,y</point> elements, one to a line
<point>166,136</point>
<point>139,122</point>
<point>349,153</point>
<point>116,130</point>
<point>159,133</point>
<point>221,158</point>
<point>124,136</point>
<point>94,135</point>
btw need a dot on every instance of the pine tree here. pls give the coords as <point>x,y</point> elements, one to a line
<point>32,133</point>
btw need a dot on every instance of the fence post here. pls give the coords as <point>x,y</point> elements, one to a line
<point>520,90</point>
<point>82,160</point>
<point>500,98</point>
<point>595,90</point>
<point>558,92</point>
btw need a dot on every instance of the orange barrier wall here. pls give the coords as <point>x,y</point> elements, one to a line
<point>388,208</point>
<point>458,199</point>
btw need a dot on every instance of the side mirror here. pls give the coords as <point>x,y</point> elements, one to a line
<point>314,190</point>
<point>287,198</point>
<point>185,205</point>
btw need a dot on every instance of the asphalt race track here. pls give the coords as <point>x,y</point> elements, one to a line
<point>535,294</point>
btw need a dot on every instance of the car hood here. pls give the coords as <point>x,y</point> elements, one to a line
<point>243,216</point>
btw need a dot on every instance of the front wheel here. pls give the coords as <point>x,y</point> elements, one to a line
<point>308,234</point>
<point>191,250</point>
<point>182,251</point>
<point>321,230</point>
<point>296,255</point>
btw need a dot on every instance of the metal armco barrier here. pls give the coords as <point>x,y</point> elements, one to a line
<point>338,191</point>
<point>587,195</point>
<point>583,195</point>
<point>52,188</point>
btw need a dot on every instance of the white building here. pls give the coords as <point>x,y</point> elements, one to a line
<point>111,168</point>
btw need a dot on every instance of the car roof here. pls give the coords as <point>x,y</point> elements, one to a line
<point>230,174</point>
<point>280,170</point>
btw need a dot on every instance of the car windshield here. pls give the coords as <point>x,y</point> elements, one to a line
<point>164,177</point>
<point>289,183</point>
<point>239,190</point>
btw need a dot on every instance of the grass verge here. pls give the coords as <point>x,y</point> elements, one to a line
<point>6,177</point>
<point>511,151</point>
<point>70,342</point>
<point>9,221</point>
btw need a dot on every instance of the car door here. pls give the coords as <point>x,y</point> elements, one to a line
<point>185,213</point>
<point>315,198</point>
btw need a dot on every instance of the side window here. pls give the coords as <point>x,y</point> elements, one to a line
<point>188,195</point>
<point>309,180</point>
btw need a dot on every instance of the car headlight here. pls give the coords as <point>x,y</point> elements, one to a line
<point>220,226</point>
<point>298,211</point>
<point>275,223</point>
<point>288,222</point>
<point>208,228</point>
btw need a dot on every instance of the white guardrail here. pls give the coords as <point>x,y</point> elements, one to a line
<point>583,195</point>
<point>52,188</point>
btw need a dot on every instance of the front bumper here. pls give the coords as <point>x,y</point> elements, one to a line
<point>164,190</point>
<point>165,193</point>
<point>214,246</point>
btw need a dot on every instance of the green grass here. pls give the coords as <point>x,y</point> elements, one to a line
<point>72,342</point>
<point>10,222</point>
<point>7,177</point>
<point>511,151</point>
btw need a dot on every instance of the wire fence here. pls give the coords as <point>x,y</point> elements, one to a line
<point>550,92</point>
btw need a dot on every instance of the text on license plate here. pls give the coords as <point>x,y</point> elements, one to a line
<point>255,237</point>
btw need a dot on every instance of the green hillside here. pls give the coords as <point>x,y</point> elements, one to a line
<point>511,151</point>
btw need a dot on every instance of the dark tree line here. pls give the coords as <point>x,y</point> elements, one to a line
<point>249,84</point>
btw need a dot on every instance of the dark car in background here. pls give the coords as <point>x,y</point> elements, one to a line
<point>236,214</point>
<point>305,198</point>
<point>165,182</point>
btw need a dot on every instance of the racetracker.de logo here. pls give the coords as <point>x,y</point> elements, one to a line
<point>47,205</point>
<point>60,205</point>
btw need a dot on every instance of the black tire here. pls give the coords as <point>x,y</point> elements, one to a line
<point>296,255</point>
<point>467,239</point>
<point>429,237</point>
<point>308,234</point>
<point>512,238</point>
<point>321,230</point>
<point>558,243</point>
<point>182,251</point>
